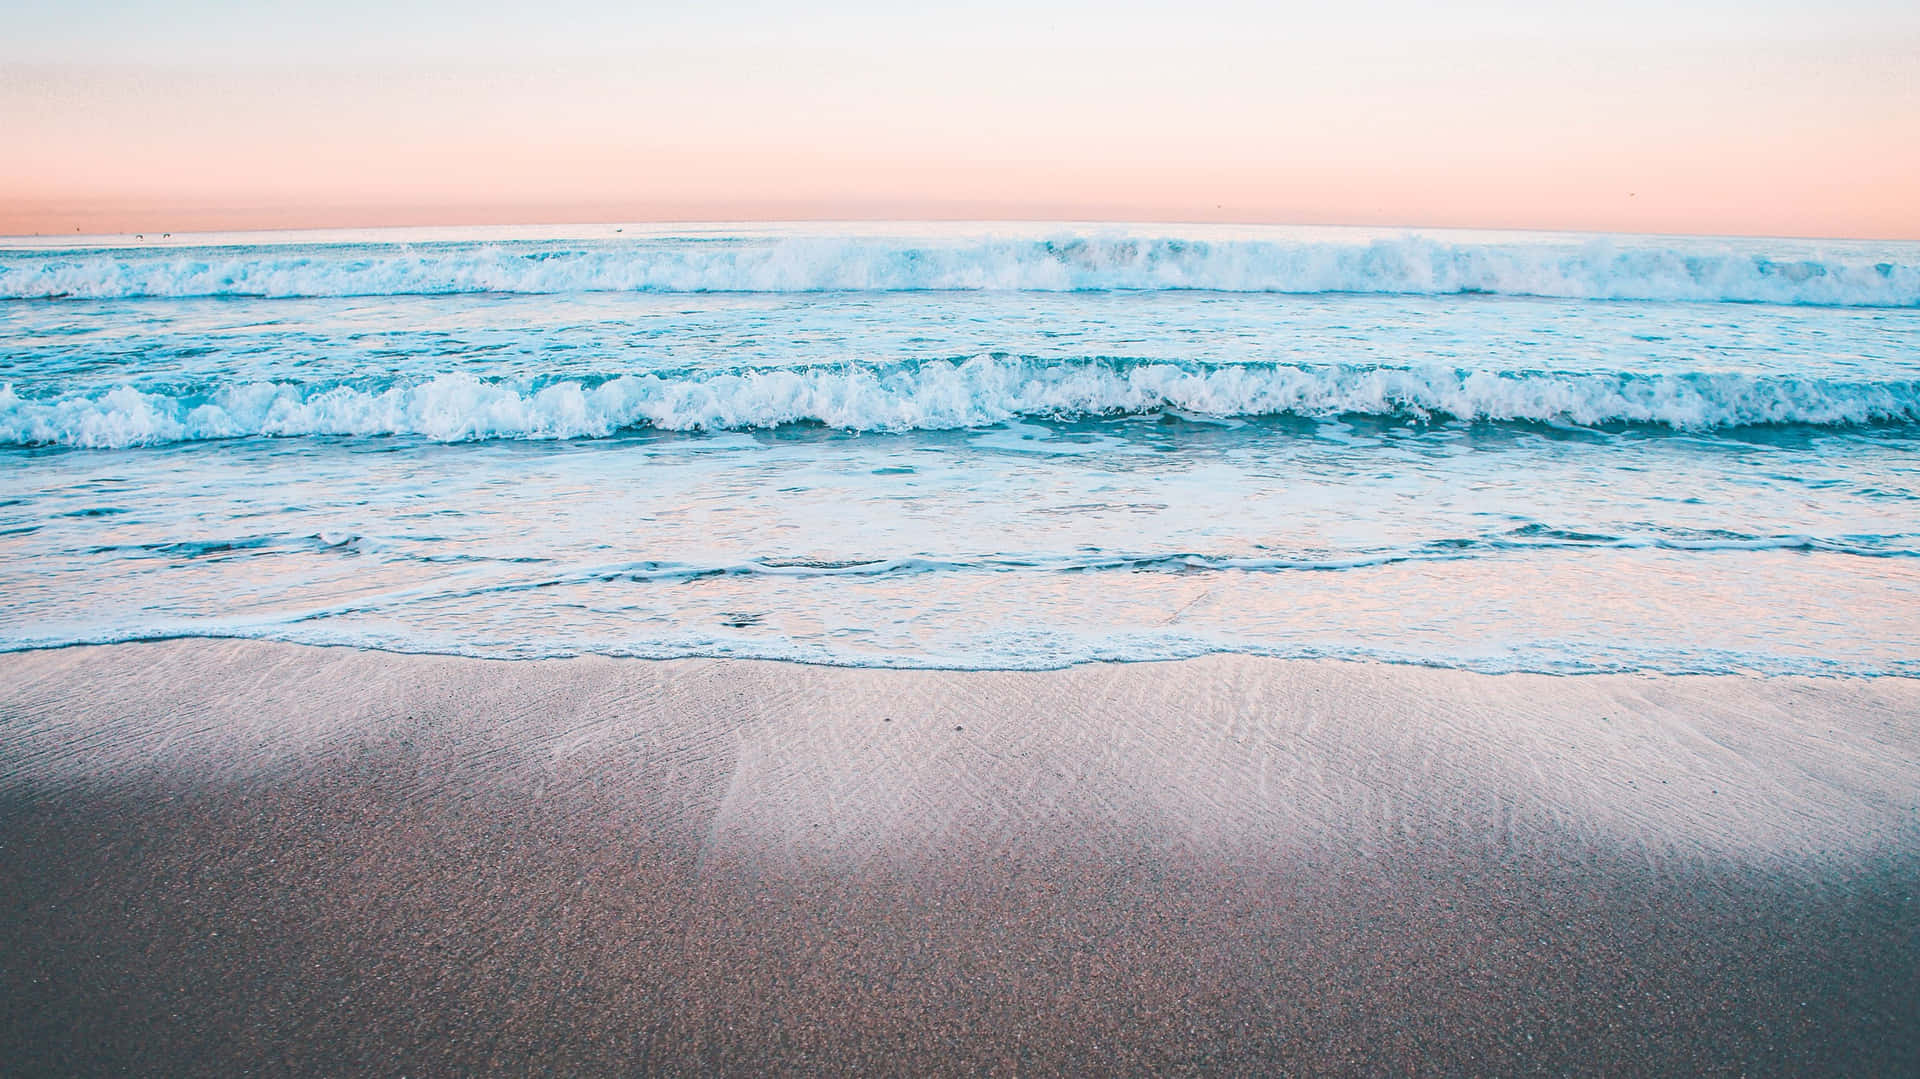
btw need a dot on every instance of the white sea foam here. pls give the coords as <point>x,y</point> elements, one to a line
<point>1691,270</point>
<point>978,392</point>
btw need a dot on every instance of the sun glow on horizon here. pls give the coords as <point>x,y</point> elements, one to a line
<point>1769,119</point>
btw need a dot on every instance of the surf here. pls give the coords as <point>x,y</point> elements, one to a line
<point>980,391</point>
<point>1571,267</point>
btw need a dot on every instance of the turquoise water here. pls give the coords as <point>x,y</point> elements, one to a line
<point>971,446</point>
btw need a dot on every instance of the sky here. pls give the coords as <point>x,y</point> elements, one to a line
<point>1767,117</point>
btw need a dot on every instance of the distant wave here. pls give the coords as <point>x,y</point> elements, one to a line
<point>935,395</point>
<point>1601,269</point>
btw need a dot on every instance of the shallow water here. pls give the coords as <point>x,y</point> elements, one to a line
<point>972,447</point>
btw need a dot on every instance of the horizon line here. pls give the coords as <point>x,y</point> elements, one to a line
<point>148,234</point>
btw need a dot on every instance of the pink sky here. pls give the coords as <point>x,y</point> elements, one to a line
<point>1816,137</point>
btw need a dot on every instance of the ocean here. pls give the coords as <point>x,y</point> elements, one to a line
<point>971,446</point>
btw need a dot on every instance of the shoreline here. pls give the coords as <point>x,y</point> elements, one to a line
<point>239,855</point>
<point>1357,661</point>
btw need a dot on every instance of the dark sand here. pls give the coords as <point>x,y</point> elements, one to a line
<point>223,858</point>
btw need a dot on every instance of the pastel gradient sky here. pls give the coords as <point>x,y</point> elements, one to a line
<point>1783,117</point>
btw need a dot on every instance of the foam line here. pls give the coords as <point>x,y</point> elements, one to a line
<point>1600,269</point>
<point>934,395</point>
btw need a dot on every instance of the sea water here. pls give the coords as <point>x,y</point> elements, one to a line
<point>971,446</point>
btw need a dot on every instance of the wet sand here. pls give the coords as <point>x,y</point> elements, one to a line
<point>241,857</point>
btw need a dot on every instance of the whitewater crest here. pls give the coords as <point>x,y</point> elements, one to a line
<point>1596,269</point>
<point>933,395</point>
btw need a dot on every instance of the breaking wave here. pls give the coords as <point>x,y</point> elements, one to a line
<point>1598,269</point>
<point>935,395</point>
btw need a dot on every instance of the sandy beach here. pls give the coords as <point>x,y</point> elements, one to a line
<point>224,857</point>
<point>597,539</point>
